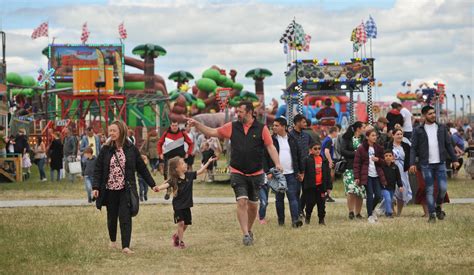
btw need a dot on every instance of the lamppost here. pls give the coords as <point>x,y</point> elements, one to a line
<point>470,108</point>
<point>462,109</point>
<point>454,97</point>
<point>447,108</point>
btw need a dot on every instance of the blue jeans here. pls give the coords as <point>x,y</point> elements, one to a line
<point>387,198</point>
<point>41,163</point>
<point>429,172</point>
<point>154,164</point>
<point>58,172</point>
<point>292,193</point>
<point>88,186</point>
<point>263,195</point>
<point>143,188</point>
<point>373,194</point>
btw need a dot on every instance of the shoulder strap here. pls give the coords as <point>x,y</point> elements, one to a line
<point>118,162</point>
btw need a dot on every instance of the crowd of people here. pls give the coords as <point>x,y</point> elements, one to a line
<point>378,163</point>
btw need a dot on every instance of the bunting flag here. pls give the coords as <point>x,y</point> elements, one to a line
<point>85,33</point>
<point>371,28</point>
<point>122,31</point>
<point>288,36</point>
<point>360,34</point>
<point>307,40</point>
<point>354,35</point>
<point>100,65</point>
<point>40,31</point>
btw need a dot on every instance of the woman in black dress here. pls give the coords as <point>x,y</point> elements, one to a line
<point>55,154</point>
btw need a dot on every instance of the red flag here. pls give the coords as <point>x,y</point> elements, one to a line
<point>85,33</point>
<point>307,40</point>
<point>361,34</point>
<point>122,31</point>
<point>41,30</point>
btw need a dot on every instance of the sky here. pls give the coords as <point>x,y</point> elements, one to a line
<point>418,41</point>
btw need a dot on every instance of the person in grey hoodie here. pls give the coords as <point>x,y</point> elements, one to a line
<point>69,150</point>
<point>89,165</point>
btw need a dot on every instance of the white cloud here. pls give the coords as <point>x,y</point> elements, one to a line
<point>422,40</point>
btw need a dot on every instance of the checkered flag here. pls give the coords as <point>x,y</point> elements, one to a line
<point>354,35</point>
<point>41,30</point>
<point>85,33</point>
<point>289,33</point>
<point>360,34</point>
<point>122,31</point>
<point>371,28</point>
<point>299,39</point>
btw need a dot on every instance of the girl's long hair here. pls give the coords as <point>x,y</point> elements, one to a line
<point>351,130</point>
<point>123,130</point>
<point>173,176</point>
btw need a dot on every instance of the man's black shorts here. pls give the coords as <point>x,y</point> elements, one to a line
<point>246,187</point>
<point>183,215</point>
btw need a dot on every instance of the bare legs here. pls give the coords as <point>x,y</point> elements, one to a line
<point>354,203</point>
<point>246,214</point>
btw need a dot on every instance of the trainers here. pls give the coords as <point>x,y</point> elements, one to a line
<point>329,199</point>
<point>281,223</point>
<point>182,245</point>
<point>432,218</point>
<point>359,216</point>
<point>307,220</point>
<point>351,215</point>
<point>321,221</point>
<point>251,235</point>
<point>175,240</point>
<point>247,240</point>
<point>371,219</point>
<point>167,196</point>
<point>297,224</point>
<point>440,214</point>
<point>145,197</point>
<point>374,215</point>
<point>263,221</point>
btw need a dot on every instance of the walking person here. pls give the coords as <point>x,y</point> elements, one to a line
<point>40,157</point>
<point>431,144</point>
<point>55,153</point>
<point>150,150</point>
<point>392,175</point>
<point>249,138</point>
<point>355,193</point>
<point>3,143</point>
<point>401,153</point>
<point>69,151</point>
<point>303,140</point>
<point>89,167</point>
<point>114,179</point>
<point>170,145</point>
<point>327,153</point>
<point>368,161</point>
<point>292,162</point>
<point>182,181</point>
<point>407,125</point>
<point>316,183</point>
<point>394,117</point>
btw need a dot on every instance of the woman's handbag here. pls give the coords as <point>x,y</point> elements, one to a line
<point>341,166</point>
<point>134,203</point>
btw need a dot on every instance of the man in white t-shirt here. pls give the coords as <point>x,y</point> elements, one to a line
<point>431,144</point>
<point>291,161</point>
<point>407,121</point>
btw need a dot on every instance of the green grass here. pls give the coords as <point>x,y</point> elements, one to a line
<point>460,187</point>
<point>74,240</point>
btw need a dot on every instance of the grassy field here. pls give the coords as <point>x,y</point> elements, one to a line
<point>74,240</point>
<point>460,187</point>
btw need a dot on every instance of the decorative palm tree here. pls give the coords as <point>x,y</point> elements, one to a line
<point>149,52</point>
<point>259,74</point>
<point>180,77</point>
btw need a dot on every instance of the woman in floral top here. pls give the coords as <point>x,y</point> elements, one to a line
<point>351,140</point>
<point>116,165</point>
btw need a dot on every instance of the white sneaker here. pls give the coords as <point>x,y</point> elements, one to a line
<point>371,219</point>
<point>374,215</point>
